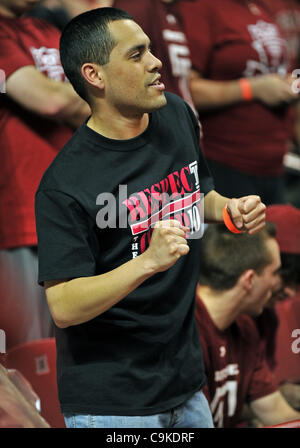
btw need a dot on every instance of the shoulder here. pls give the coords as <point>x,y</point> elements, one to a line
<point>64,165</point>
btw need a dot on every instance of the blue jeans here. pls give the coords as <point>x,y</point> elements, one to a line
<point>194,413</point>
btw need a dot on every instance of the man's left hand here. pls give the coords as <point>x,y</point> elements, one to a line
<point>247,213</point>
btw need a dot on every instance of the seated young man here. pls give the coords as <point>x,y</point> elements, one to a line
<point>238,274</point>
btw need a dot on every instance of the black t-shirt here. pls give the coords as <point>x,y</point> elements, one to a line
<point>143,355</point>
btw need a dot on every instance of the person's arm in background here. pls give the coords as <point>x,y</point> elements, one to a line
<point>55,100</point>
<point>201,24</point>
<point>270,89</point>
<point>291,393</point>
<point>273,409</point>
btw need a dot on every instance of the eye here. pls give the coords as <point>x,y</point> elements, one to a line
<point>136,56</point>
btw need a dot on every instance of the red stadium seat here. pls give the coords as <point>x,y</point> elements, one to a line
<point>288,362</point>
<point>293,424</point>
<point>36,360</point>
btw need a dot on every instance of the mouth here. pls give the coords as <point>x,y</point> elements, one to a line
<point>157,84</point>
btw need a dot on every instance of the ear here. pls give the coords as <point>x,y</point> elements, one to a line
<point>246,279</point>
<point>93,75</point>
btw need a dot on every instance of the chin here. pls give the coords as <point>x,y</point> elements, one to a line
<point>158,104</point>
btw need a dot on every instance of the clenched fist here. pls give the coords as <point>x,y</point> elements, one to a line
<point>247,213</point>
<point>167,245</point>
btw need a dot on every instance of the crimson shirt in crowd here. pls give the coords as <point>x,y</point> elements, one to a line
<point>235,367</point>
<point>28,142</point>
<point>287,16</point>
<point>229,40</point>
<point>168,41</point>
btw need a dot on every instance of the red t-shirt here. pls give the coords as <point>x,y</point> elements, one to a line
<point>234,365</point>
<point>28,142</point>
<point>169,44</point>
<point>228,41</point>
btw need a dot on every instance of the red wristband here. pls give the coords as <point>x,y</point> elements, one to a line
<point>246,89</point>
<point>228,222</point>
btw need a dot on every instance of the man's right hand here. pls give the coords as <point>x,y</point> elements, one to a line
<point>168,244</point>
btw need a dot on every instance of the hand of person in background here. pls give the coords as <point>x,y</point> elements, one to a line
<point>273,89</point>
<point>247,213</point>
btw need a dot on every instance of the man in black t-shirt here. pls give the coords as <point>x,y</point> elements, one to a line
<point>118,221</point>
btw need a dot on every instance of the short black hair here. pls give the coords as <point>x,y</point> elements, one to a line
<point>86,38</point>
<point>224,256</point>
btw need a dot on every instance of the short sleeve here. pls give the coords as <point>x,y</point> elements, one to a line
<point>205,176</point>
<point>12,55</point>
<point>197,23</point>
<point>67,243</point>
<point>262,382</point>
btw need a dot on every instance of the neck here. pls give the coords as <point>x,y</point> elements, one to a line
<point>223,307</point>
<point>117,126</point>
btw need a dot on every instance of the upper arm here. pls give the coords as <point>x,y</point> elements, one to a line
<point>67,241</point>
<point>273,409</point>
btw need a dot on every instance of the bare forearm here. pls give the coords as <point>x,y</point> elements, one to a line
<point>82,299</point>
<point>209,94</point>
<point>213,207</point>
<point>270,89</point>
<point>278,416</point>
<point>55,100</point>
<point>274,409</point>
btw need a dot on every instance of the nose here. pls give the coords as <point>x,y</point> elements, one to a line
<point>154,63</point>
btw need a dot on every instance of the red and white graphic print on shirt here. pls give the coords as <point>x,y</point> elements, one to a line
<point>286,14</point>
<point>225,392</point>
<point>271,49</point>
<point>47,61</point>
<point>175,197</point>
<point>179,55</point>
